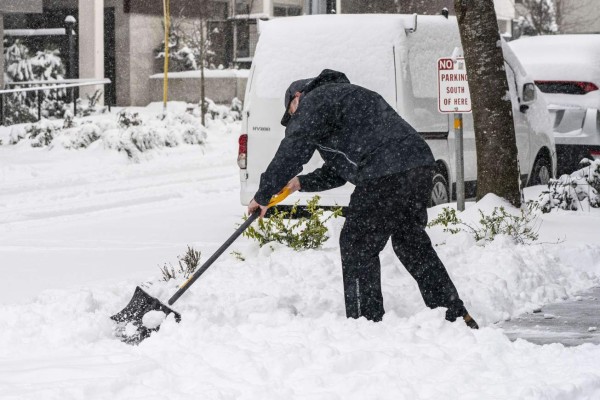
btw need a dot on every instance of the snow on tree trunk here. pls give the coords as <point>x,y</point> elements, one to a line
<point>497,159</point>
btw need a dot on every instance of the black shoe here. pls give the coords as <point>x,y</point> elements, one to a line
<point>470,321</point>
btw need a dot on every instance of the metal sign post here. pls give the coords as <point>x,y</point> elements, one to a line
<point>454,98</point>
<point>460,162</point>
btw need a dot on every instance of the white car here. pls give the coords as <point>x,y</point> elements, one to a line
<point>577,135</point>
<point>566,68</point>
<point>396,56</point>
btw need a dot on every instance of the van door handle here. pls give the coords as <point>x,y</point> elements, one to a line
<point>523,108</point>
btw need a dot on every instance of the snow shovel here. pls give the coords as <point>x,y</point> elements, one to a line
<point>144,313</point>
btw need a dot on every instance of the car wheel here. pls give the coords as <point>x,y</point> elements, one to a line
<point>439,192</point>
<point>540,175</point>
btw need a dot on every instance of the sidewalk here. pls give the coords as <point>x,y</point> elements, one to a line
<point>572,322</point>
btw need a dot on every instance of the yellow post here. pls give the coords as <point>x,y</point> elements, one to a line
<point>167,22</point>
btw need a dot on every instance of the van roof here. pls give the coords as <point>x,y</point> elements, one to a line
<point>361,46</point>
<point>560,57</point>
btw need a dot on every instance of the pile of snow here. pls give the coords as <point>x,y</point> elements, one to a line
<point>79,230</point>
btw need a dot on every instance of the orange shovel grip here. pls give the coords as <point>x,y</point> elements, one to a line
<point>279,197</point>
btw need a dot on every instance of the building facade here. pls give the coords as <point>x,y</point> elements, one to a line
<point>120,39</point>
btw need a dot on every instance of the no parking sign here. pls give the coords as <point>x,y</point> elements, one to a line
<point>453,86</point>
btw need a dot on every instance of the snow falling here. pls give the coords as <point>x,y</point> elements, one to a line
<point>80,229</point>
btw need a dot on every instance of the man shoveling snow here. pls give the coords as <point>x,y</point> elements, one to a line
<point>363,141</point>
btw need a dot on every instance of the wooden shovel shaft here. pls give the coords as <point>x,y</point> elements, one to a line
<point>212,258</point>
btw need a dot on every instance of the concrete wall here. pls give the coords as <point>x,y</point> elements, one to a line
<point>365,7</point>
<point>146,34</point>
<point>427,7</point>
<point>20,6</point>
<point>219,90</point>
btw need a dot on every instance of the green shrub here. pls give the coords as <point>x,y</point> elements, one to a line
<point>521,228</point>
<point>298,234</point>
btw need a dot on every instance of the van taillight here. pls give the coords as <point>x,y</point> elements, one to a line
<point>242,151</point>
<point>587,86</point>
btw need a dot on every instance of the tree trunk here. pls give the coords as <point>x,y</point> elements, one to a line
<point>202,83</point>
<point>497,158</point>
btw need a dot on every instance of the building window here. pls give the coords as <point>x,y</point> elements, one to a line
<point>286,11</point>
<point>331,7</point>
<point>242,7</point>
<point>246,38</point>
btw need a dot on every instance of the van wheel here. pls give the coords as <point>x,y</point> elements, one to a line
<point>540,174</point>
<point>439,192</point>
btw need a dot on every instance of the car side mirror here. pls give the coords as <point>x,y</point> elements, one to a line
<point>529,93</point>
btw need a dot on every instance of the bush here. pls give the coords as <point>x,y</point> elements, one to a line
<point>130,133</point>
<point>41,134</point>
<point>570,191</point>
<point>521,228</point>
<point>187,262</point>
<point>126,118</point>
<point>298,234</point>
<point>21,66</point>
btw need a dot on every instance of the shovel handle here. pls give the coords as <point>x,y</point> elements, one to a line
<point>279,197</point>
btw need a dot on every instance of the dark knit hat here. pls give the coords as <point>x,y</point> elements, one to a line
<point>296,86</point>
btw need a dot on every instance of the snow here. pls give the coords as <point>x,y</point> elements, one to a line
<point>278,51</point>
<point>153,319</point>
<point>80,229</point>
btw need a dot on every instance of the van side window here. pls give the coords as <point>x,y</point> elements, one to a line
<point>421,90</point>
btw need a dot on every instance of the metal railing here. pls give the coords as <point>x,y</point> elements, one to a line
<point>44,86</point>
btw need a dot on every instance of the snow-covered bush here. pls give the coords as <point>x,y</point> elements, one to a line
<point>126,118</point>
<point>520,228</point>
<point>41,134</point>
<point>187,264</point>
<point>91,108</point>
<point>185,52</point>
<point>130,133</point>
<point>570,192</point>
<point>80,137</point>
<point>20,66</point>
<point>298,234</point>
<point>137,135</point>
<point>215,111</point>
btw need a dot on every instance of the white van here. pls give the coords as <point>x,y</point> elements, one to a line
<point>396,56</point>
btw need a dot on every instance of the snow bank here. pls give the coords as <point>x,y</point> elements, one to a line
<point>88,227</point>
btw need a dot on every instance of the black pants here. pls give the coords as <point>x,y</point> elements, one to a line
<point>395,206</point>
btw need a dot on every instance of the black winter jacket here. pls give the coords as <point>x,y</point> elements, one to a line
<point>356,132</point>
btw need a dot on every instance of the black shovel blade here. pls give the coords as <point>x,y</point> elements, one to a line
<point>130,328</point>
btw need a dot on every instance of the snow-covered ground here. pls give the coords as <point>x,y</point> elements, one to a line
<point>80,229</point>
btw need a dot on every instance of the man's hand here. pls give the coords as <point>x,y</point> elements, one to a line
<point>253,206</point>
<point>293,185</point>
